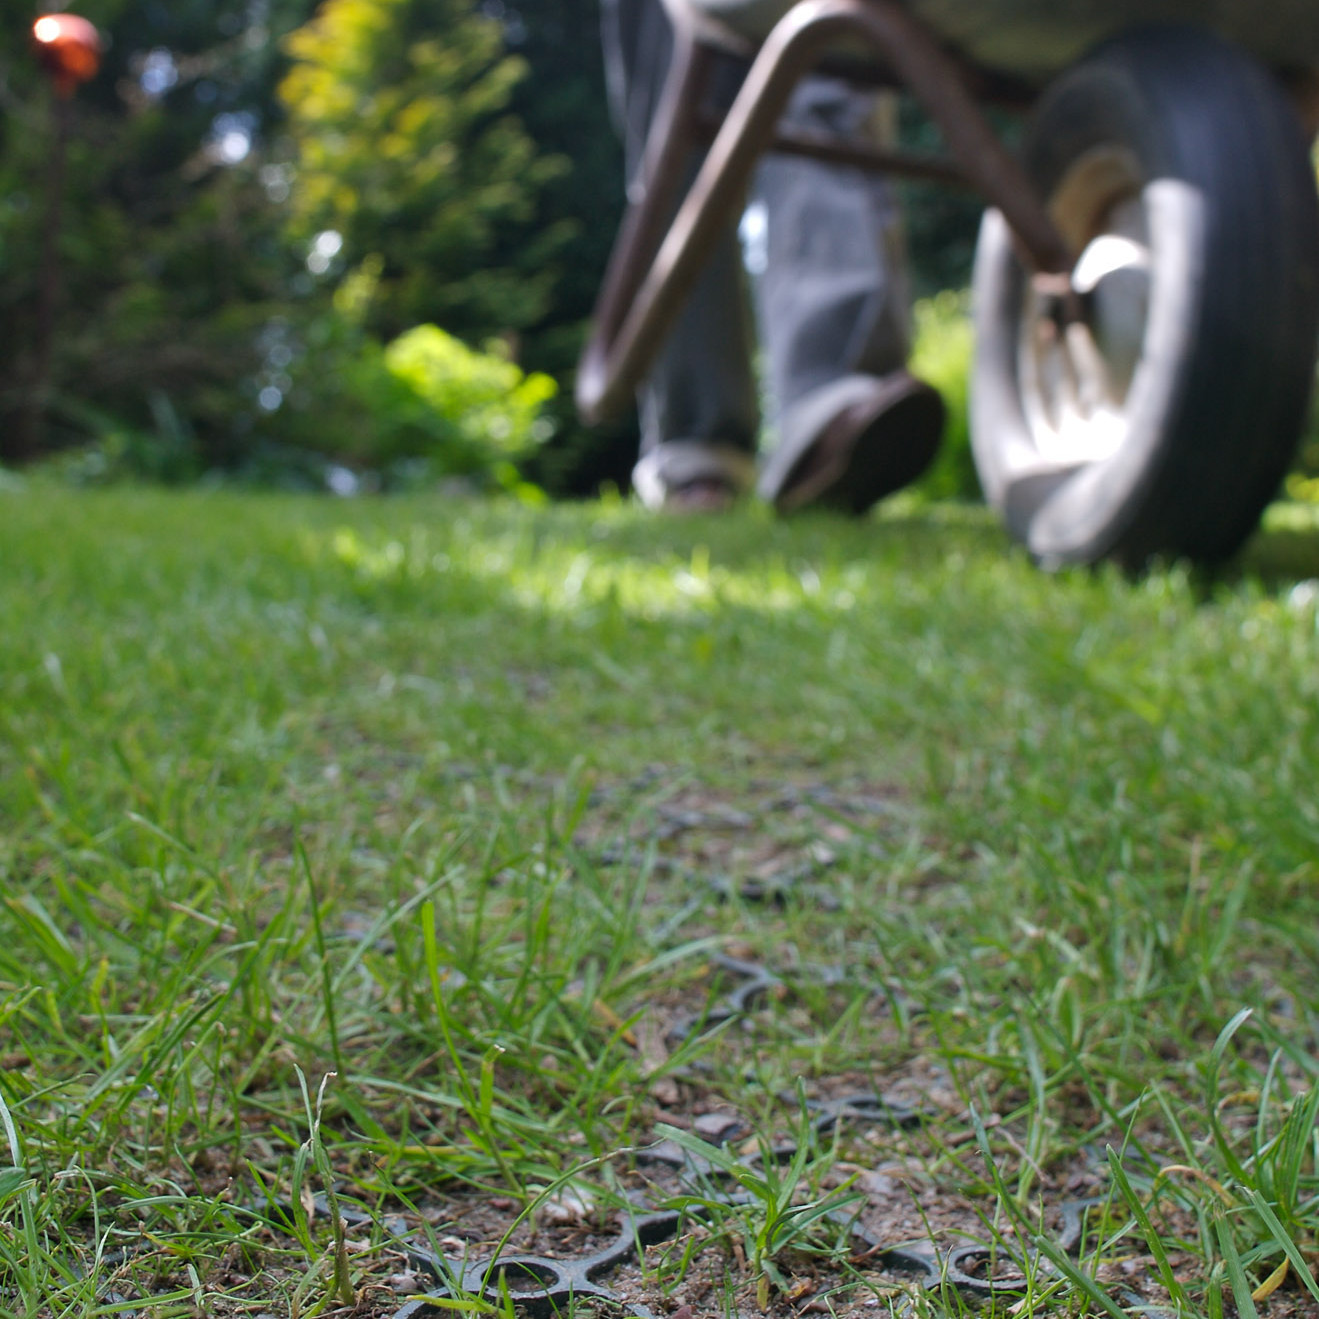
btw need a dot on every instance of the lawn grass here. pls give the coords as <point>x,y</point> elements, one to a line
<point>463,803</point>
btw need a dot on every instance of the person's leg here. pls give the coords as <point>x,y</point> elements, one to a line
<point>833,297</point>
<point>699,414</point>
<point>833,303</point>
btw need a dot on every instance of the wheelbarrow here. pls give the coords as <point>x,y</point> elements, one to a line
<point>1146,280</point>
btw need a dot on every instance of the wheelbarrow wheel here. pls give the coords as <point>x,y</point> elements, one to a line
<point>1161,419</point>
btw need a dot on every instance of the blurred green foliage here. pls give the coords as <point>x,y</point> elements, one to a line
<point>486,399</point>
<point>941,354</point>
<point>403,151</point>
<point>269,205</point>
<point>259,196</point>
<point>1303,483</point>
<point>422,408</point>
<point>170,255</point>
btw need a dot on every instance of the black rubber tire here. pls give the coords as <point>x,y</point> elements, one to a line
<point>1226,356</point>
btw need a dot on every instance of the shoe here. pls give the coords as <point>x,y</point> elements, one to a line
<point>882,434</point>
<point>706,494</point>
<point>686,476</point>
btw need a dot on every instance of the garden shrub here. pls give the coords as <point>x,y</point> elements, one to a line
<point>422,408</point>
<point>425,404</point>
<point>485,398</point>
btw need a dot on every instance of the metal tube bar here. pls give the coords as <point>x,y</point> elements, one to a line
<point>859,155</point>
<point>875,160</point>
<point>653,196</point>
<point>621,350</point>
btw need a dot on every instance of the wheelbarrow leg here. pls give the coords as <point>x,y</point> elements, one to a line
<point>653,196</point>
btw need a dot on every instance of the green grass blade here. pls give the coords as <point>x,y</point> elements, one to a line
<point>1079,1280</point>
<point>1241,1288</point>
<point>1284,1241</point>
<point>1152,1238</point>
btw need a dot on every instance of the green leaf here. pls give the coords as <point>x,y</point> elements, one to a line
<point>1285,1242</point>
<point>1241,1288</point>
<point>715,1155</point>
<point>1225,1035</point>
<point>1152,1238</point>
<point>1064,1265</point>
<point>11,1179</point>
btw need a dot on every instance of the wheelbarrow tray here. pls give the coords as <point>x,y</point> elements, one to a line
<point>1037,39</point>
<point>1032,41</point>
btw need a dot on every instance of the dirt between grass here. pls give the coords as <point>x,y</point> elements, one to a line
<point>918,1181</point>
<point>702,1270</point>
<point>904,1172</point>
<point>758,840</point>
<point>905,1175</point>
<point>767,845</point>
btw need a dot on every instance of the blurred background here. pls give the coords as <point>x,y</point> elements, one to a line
<point>345,246</point>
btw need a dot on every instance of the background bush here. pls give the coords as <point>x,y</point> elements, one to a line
<point>944,342</point>
<point>421,408</point>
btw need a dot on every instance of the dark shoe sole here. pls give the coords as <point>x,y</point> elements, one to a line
<point>704,495</point>
<point>869,450</point>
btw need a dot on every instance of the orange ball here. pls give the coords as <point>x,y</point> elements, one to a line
<point>69,49</point>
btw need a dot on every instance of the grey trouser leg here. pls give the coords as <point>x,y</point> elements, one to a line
<point>701,388</point>
<point>831,301</point>
<point>833,298</point>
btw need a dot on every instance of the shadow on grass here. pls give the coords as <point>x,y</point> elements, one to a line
<point>910,530</point>
<point>917,534</point>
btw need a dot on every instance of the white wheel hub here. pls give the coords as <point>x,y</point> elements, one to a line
<point>1076,374</point>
